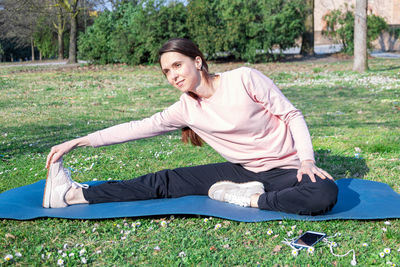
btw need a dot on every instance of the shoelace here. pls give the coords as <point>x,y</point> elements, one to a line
<point>238,198</point>
<point>73,183</point>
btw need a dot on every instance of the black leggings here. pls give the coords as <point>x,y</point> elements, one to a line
<point>283,191</point>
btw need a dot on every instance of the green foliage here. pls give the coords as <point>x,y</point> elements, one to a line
<point>44,39</point>
<point>94,45</point>
<point>134,32</point>
<point>340,27</point>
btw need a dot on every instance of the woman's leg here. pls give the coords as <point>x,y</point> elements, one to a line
<point>168,183</point>
<point>285,193</point>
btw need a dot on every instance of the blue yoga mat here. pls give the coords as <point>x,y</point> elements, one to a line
<point>358,199</point>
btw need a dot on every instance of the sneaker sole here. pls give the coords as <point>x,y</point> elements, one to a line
<point>230,183</point>
<point>47,189</point>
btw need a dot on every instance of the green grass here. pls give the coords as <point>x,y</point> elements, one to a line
<point>353,118</point>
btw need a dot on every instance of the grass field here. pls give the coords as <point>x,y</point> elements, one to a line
<point>354,120</point>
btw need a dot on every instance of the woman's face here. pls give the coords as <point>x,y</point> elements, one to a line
<point>181,71</point>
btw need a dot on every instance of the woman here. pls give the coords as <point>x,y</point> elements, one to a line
<point>242,115</point>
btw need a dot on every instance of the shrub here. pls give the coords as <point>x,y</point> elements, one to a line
<point>340,27</point>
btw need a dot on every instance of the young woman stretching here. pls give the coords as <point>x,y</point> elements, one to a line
<point>242,115</point>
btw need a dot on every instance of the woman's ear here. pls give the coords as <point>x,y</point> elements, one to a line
<point>198,62</point>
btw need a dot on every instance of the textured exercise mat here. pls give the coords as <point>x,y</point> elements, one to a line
<point>358,199</point>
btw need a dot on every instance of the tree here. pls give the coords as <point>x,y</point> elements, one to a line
<point>360,63</point>
<point>71,7</point>
<point>307,42</point>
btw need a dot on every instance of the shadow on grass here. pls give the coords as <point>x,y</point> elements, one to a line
<point>384,69</point>
<point>341,167</point>
<point>39,138</point>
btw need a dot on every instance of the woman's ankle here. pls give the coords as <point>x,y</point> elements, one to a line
<point>75,196</point>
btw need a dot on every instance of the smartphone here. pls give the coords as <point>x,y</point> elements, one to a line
<point>308,239</point>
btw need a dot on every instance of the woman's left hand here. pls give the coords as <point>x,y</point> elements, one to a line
<point>308,167</point>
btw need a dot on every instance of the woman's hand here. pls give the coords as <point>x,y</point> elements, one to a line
<point>60,150</point>
<point>308,167</point>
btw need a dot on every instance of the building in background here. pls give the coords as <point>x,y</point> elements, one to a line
<point>388,9</point>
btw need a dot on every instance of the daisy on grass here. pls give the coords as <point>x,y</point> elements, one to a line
<point>365,245</point>
<point>182,254</point>
<point>387,250</point>
<point>310,250</point>
<point>290,233</point>
<point>60,262</point>
<point>217,226</point>
<point>205,220</point>
<point>84,260</point>
<point>82,252</point>
<point>382,254</point>
<point>270,232</point>
<point>8,257</point>
<point>295,252</point>
<point>17,254</point>
<point>163,223</point>
<point>387,222</point>
<point>384,229</point>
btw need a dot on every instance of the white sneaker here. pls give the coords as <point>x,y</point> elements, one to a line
<point>58,183</point>
<point>235,193</point>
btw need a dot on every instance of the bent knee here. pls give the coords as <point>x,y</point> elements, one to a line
<point>323,197</point>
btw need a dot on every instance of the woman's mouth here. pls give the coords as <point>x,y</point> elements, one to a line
<point>180,83</point>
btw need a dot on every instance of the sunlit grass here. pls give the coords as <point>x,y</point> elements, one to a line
<point>353,119</point>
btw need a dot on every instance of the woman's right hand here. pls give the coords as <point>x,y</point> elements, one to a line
<point>60,150</point>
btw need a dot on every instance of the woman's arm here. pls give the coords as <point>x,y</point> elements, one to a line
<point>58,151</point>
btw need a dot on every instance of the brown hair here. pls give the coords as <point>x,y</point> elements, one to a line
<point>189,49</point>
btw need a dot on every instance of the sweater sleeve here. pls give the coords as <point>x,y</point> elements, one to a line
<point>262,90</point>
<point>168,120</point>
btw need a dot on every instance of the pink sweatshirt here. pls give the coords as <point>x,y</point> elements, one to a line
<point>247,120</point>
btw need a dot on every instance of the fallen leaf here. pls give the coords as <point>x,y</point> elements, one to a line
<point>277,248</point>
<point>8,235</point>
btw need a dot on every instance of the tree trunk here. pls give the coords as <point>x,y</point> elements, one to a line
<point>307,44</point>
<point>72,39</point>
<point>60,35</point>
<point>32,50</point>
<point>40,55</point>
<point>360,63</point>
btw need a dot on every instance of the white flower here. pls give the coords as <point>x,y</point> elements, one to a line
<point>64,255</point>
<point>226,246</point>
<point>60,262</point>
<point>205,220</point>
<point>384,229</point>
<point>60,251</point>
<point>295,252</point>
<point>217,226</point>
<point>290,233</point>
<point>17,254</point>
<point>387,250</point>
<point>182,254</point>
<point>157,248</point>
<point>293,227</point>
<point>65,246</point>
<point>333,244</point>
<point>387,222</point>
<point>365,245</point>
<point>270,232</point>
<point>163,223</point>
<point>84,260</point>
<point>382,254</point>
<point>310,250</point>
<point>82,252</point>
<point>123,238</point>
<point>8,257</point>
<point>94,229</point>
<point>71,254</point>
<point>98,252</point>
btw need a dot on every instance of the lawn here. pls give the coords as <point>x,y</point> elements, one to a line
<point>354,120</point>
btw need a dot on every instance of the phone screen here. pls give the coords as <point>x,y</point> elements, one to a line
<point>309,239</point>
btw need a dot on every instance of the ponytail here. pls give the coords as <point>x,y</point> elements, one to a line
<point>189,134</point>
